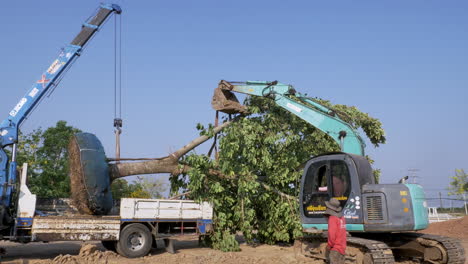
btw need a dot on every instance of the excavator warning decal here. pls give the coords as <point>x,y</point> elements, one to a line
<point>341,198</point>
<point>293,107</point>
<point>319,209</point>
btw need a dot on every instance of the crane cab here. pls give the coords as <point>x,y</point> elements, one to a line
<point>366,206</point>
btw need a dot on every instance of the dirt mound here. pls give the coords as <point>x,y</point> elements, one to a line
<point>453,228</point>
<point>89,253</point>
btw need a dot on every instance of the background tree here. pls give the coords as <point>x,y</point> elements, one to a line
<point>142,187</point>
<point>153,187</point>
<point>121,188</point>
<point>46,153</point>
<point>459,184</point>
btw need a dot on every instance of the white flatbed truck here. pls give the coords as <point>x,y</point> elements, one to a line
<point>132,233</point>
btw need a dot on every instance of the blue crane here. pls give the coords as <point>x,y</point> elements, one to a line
<point>48,80</point>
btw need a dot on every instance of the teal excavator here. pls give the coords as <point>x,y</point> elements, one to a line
<point>381,218</point>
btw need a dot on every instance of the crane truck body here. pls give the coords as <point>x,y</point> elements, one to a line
<point>48,80</point>
<point>133,231</point>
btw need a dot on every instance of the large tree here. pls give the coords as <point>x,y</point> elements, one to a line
<point>46,152</point>
<point>254,182</point>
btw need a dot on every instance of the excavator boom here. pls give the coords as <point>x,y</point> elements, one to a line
<point>286,97</point>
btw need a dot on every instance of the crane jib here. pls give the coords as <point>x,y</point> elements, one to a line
<point>46,82</point>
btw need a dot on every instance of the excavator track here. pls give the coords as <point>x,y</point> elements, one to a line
<point>423,248</point>
<point>454,251</point>
<point>376,252</point>
<point>359,250</point>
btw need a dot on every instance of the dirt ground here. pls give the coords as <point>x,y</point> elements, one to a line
<point>188,251</point>
<point>453,228</point>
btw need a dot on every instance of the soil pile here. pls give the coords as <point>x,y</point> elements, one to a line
<point>453,228</point>
<point>88,254</point>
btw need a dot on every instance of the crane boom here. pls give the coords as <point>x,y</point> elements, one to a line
<point>310,111</point>
<point>48,80</point>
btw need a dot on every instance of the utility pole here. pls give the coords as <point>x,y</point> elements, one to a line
<point>440,198</point>
<point>464,200</point>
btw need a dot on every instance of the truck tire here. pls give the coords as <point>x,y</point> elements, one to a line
<point>135,241</point>
<point>109,245</point>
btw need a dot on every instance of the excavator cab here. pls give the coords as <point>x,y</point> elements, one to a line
<point>339,176</point>
<point>366,206</point>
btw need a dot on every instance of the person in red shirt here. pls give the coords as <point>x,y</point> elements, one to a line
<point>336,232</point>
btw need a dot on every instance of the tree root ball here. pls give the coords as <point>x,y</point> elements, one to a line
<point>89,175</point>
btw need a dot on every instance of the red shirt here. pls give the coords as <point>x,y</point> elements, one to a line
<point>337,234</point>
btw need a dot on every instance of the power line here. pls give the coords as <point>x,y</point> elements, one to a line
<point>412,174</point>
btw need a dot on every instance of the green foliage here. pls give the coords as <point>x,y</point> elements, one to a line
<point>150,186</point>
<point>459,184</point>
<point>143,187</point>
<point>46,153</point>
<point>372,126</point>
<point>122,189</point>
<point>270,145</point>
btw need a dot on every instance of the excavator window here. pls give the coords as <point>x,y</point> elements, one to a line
<point>316,191</point>
<point>340,180</point>
<point>324,180</point>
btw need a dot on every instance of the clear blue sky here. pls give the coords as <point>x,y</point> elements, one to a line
<point>404,62</point>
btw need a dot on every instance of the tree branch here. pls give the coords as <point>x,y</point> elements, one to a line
<point>167,164</point>
<point>196,142</point>
<point>282,194</point>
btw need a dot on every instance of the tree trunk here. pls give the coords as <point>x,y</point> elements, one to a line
<point>169,164</point>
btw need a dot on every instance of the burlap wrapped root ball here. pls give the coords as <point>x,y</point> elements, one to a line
<point>89,175</point>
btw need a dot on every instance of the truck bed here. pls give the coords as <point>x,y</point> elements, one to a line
<point>164,217</point>
<point>75,227</point>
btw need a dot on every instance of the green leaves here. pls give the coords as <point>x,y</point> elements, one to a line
<point>459,184</point>
<point>269,146</point>
<point>46,153</point>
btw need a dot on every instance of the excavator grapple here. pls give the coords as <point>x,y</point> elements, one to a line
<point>226,102</point>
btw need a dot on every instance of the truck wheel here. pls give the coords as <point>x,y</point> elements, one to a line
<point>109,245</point>
<point>135,241</point>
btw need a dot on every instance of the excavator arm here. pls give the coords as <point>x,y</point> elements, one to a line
<point>48,80</point>
<point>286,97</point>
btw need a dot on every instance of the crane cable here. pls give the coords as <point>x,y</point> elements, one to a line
<point>117,84</point>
